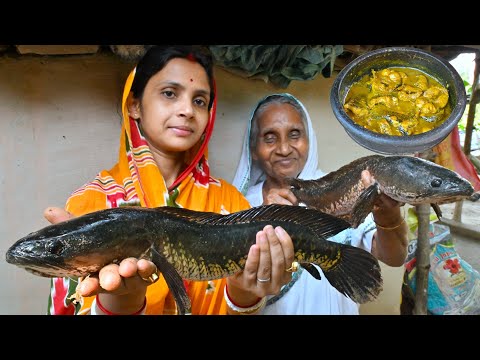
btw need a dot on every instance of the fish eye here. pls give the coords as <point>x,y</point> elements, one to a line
<point>54,247</point>
<point>436,183</point>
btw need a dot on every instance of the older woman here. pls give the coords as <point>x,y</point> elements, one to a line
<point>279,143</point>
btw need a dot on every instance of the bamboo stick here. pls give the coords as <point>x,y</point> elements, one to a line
<point>423,259</point>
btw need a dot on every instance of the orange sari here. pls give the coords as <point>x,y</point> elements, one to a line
<point>136,180</point>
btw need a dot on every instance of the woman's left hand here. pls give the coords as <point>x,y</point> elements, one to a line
<point>265,269</point>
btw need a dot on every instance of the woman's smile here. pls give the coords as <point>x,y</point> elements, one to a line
<point>181,131</point>
<point>285,162</point>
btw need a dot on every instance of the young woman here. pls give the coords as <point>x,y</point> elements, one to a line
<point>168,111</point>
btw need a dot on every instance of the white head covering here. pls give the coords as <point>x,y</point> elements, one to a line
<point>248,175</point>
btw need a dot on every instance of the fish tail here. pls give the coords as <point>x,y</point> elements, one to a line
<point>357,275</point>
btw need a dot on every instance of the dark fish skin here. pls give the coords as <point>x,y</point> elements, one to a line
<point>195,245</point>
<point>406,179</point>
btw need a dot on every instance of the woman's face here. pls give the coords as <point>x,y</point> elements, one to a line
<point>173,112</point>
<point>282,143</point>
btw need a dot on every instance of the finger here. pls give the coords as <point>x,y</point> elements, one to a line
<point>265,263</point>
<point>110,278</point>
<point>146,268</point>
<point>289,196</point>
<point>128,267</point>
<point>276,199</point>
<point>287,244</point>
<point>89,286</point>
<point>249,272</point>
<point>367,178</point>
<point>278,257</point>
<point>55,214</point>
<point>288,251</point>
<point>280,196</point>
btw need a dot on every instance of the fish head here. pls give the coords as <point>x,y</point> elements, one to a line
<point>417,181</point>
<point>76,247</point>
<point>53,252</point>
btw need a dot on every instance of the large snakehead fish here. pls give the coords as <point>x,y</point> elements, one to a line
<point>407,179</point>
<point>192,245</point>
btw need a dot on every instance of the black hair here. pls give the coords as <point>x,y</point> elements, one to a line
<point>158,56</point>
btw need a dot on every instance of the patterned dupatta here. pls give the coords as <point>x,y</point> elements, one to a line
<point>136,180</point>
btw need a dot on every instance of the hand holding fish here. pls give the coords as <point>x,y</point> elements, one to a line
<point>384,206</point>
<point>279,196</point>
<point>390,241</point>
<point>123,286</point>
<point>264,272</point>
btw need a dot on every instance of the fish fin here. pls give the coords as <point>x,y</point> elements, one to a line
<point>364,205</point>
<point>312,270</point>
<point>321,223</point>
<point>174,282</point>
<point>356,273</point>
<point>437,210</point>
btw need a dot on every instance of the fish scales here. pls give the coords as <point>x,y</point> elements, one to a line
<point>406,179</point>
<point>194,245</point>
<point>232,236</point>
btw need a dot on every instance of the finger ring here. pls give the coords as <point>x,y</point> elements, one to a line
<point>263,280</point>
<point>153,278</point>
<point>293,268</point>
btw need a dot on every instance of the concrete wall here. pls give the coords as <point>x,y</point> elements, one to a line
<point>59,126</point>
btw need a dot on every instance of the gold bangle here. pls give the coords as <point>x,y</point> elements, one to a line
<point>389,228</point>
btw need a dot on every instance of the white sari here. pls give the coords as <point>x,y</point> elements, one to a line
<point>304,295</point>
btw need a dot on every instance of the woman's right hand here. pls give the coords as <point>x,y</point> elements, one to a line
<point>121,287</point>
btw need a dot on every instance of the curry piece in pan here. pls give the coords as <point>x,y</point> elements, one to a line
<point>398,101</point>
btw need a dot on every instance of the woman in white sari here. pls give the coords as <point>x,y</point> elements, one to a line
<point>280,142</point>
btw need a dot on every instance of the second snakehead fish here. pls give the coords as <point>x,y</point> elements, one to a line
<point>406,179</point>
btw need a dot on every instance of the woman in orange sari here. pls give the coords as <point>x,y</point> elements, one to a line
<point>168,112</point>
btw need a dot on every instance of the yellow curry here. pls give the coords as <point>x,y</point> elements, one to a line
<point>398,101</point>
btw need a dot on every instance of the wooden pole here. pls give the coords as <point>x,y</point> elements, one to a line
<point>474,99</point>
<point>423,259</point>
<point>457,212</point>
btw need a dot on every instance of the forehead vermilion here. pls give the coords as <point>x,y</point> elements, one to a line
<point>184,71</point>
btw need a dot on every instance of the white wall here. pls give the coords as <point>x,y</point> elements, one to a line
<point>60,124</point>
